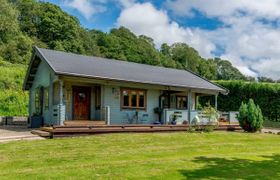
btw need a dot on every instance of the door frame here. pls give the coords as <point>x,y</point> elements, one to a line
<point>73,101</point>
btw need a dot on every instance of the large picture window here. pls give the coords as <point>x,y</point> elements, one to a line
<point>133,98</point>
<point>181,102</point>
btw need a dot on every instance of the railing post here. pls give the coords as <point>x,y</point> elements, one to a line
<point>189,105</point>
<point>216,101</point>
<point>108,118</point>
<point>61,107</point>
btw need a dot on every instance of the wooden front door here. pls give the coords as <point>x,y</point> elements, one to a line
<point>81,103</point>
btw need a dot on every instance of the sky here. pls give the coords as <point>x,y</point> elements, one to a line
<point>245,32</point>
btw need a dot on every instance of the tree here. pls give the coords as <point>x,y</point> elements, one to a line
<point>8,21</point>
<point>265,79</point>
<point>15,46</point>
<point>226,71</point>
<point>250,116</point>
<point>186,56</point>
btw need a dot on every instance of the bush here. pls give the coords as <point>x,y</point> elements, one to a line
<point>209,113</point>
<point>266,95</point>
<point>250,116</point>
<point>208,128</point>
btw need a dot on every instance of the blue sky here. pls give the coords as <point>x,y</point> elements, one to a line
<point>245,32</point>
<point>106,20</point>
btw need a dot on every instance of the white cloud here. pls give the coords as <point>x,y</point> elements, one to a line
<point>248,42</point>
<point>260,8</point>
<point>86,7</point>
<point>126,3</point>
<point>146,19</point>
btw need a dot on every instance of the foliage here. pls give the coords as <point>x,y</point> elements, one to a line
<point>29,22</point>
<point>13,101</point>
<point>226,71</point>
<point>266,95</point>
<point>25,23</point>
<point>271,124</point>
<point>250,116</point>
<point>209,128</point>
<point>210,113</point>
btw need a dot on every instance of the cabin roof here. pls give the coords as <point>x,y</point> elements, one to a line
<point>63,63</point>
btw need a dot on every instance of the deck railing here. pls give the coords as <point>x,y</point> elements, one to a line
<point>106,114</point>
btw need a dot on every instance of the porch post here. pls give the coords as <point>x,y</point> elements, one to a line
<point>216,101</point>
<point>60,92</point>
<point>189,105</point>
<point>61,116</point>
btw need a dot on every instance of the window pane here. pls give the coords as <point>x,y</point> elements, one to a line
<point>46,94</point>
<point>133,99</point>
<point>37,108</point>
<point>182,102</point>
<point>141,99</point>
<point>125,98</point>
<point>184,105</point>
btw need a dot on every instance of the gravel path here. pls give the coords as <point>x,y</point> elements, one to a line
<point>13,133</point>
<point>271,131</point>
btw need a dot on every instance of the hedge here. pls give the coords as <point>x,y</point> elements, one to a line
<point>266,95</point>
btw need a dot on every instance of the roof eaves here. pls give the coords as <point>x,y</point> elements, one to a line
<point>28,70</point>
<point>226,91</point>
<point>136,81</point>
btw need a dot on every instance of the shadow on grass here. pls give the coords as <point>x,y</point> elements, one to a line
<point>222,168</point>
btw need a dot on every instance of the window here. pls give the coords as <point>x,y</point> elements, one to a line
<point>37,101</point>
<point>133,98</point>
<point>46,98</point>
<point>97,98</point>
<point>181,102</point>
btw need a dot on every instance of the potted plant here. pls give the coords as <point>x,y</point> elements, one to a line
<point>212,114</point>
<point>36,120</point>
<point>173,119</point>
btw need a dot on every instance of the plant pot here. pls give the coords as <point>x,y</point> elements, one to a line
<point>36,122</point>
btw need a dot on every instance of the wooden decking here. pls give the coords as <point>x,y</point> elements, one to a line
<point>84,123</point>
<point>85,129</point>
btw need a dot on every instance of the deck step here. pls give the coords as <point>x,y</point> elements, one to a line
<point>41,133</point>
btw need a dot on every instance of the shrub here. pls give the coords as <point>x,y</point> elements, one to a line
<point>208,128</point>
<point>266,95</point>
<point>211,114</point>
<point>250,116</point>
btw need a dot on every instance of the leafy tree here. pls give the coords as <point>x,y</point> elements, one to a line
<point>265,79</point>
<point>226,71</point>
<point>243,114</point>
<point>185,55</point>
<point>29,16</point>
<point>14,45</point>
<point>208,69</point>
<point>165,50</point>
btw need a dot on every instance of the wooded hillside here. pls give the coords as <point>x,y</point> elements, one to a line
<point>25,23</point>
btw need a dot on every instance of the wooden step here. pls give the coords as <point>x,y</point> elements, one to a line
<point>41,133</point>
<point>84,122</point>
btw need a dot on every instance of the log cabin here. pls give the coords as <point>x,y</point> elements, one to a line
<point>66,87</point>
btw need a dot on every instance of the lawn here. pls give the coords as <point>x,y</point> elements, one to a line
<point>219,155</point>
<point>271,124</point>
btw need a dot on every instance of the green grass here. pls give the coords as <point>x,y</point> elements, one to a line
<point>271,124</point>
<point>219,155</point>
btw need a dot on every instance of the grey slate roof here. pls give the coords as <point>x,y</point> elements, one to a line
<point>96,67</point>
